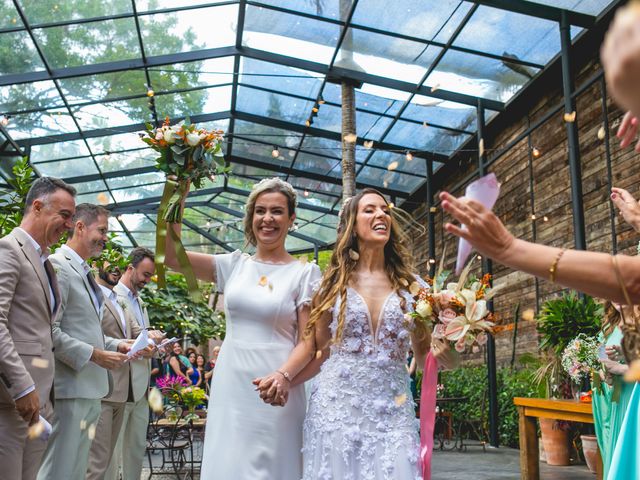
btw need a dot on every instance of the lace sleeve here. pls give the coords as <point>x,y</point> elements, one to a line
<point>309,284</point>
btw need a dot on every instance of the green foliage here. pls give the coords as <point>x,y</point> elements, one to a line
<point>471,382</point>
<point>172,310</point>
<point>112,254</point>
<point>559,321</point>
<point>324,257</point>
<point>12,201</point>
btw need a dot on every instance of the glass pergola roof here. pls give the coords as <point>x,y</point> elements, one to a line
<point>76,76</point>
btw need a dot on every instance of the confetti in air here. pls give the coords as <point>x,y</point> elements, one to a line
<point>401,399</point>
<point>39,363</point>
<point>350,138</point>
<point>601,133</point>
<point>528,315</point>
<point>570,117</point>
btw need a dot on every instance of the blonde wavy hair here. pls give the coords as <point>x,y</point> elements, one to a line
<point>267,185</point>
<point>397,259</point>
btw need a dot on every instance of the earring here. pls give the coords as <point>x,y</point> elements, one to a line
<point>353,255</point>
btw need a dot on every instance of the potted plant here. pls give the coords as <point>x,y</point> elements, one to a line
<point>559,321</point>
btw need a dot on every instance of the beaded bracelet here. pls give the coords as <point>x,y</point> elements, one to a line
<point>554,266</point>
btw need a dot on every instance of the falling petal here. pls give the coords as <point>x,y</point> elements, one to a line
<point>35,430</point>
<point>392,166</point>
<point>481,147</point>
<point>350,138</point>
<point>601,133</point>
<point>102,198</point>
<point>83,424</point>
<point>435,87</point>
<point>91,431</point>
<point>39,363</point>
<point>570,117</point>
<point>401,399</point>
<point>528,315</point>
<point>155,400</point>
<point>263,281</point>
<point>368,144</point>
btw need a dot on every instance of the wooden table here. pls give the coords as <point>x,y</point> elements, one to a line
<point>531,408</point>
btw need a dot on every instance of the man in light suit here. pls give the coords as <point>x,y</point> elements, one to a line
<point>132,442</point>
<point>82,353</point>
<point>29,300</point>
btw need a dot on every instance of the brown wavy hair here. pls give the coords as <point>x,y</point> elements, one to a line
<point>610,320</point>
<point>398,264</point>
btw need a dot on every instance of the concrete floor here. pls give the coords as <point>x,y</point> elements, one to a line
<point>473,464</point>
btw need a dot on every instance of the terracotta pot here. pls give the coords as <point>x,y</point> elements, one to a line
<point>590,450</point>
<point>555,441</point>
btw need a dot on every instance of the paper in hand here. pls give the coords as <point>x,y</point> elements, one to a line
<point>485,190</point>
<point>168,341</point>
<point>602,353</point>
<point>140,343</point>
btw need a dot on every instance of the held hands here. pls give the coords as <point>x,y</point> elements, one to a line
<point>29,407</point>
<point>484,231</point>
<point>108,360</point>
<point>273,389</point>
<point>627,205</point>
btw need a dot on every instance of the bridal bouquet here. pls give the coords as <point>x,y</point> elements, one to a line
<point>187,155</point>
<point>458,310</point>
<point>580,357</point>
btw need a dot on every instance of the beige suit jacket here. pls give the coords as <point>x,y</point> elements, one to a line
<point>112,327</point>
<point>25,320</point>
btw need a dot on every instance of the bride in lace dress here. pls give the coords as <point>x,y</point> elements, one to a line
<point>361,421</point>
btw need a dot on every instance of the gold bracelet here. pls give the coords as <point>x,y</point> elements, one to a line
<point>286,375</point>
<point>554,266</point>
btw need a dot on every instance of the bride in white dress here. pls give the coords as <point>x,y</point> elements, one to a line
<point>361,421</point>
<point>266,301</point>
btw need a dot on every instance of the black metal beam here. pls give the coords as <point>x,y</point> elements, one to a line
<point>575,169</point>
<point>540,10</point>
<point>431,225</point>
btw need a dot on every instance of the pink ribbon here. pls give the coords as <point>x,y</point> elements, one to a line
<point>428,413</point>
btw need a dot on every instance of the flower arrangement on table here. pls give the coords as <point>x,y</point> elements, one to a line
<point>458,310</point>
<point>188,155</point>
<point>171,387</point>
<point>580,361</point>
<point>192,398</point>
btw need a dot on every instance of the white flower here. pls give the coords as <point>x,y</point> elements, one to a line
<point>423,308</point>
<point>193,139</point>
<point>169,136</point>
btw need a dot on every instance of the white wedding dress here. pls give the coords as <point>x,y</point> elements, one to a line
<point>361,423</point>
<point>246,439</point>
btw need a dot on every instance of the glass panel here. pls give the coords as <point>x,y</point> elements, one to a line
<point>214,71</point>
<point>279,77</point>
<point>393,180</point>
<point>314,163</point>
<point>49,11</point>
<point>94,197</point>
<point>68,168</point>
<point>24,56</point>
<point>289,35</point>
<point>41,124</point>
<point>440,112</point>
<point>511,35</point>
<point>89,43</point>
<point>146,191</point>
<point>477,76</point>
<point>321,8</point>
<point>316,185</point>
<point>112,114</point>
<point>116,143</point>
<point>380,158</point>
<point>386,56</point>
<point>268,134</point>
<point>152,5</point>
<point>189,30</point>
<point>380,99</point>
<point>59,150</point>
<point>272,105</point>
<point>29,96</point>
<point>209,100</point>
<point>9,17</point>
<point>90,187</point>
<point>122,161</point>
<point>429,139</point>
<point>415,18</point>
<point>322,146</point>
<point>144,179</point>
<point>104,86</point>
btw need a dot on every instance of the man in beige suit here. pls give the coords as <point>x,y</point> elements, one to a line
<point>132,441</point>
<point>29,300</point>
<point>117,324</point>
<point>82,353</point>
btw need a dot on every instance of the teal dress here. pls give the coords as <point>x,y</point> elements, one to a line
<point>625,463</point>
<point>610,402</point>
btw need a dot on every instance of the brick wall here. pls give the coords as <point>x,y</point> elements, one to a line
<point>541,187</point>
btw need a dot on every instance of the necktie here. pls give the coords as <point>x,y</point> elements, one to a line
<point>96,289</point>
<point>48,268</point>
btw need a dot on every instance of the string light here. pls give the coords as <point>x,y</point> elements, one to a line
<point>545,218</point>
<point>150,93</point>
<point>315,109</point>
<point>275,153</point>
<point>320,100</point>
<point>535,152</point>
<point>306,193</point>
<point>533,216</point>
<point>4,121</point>
<point>392,166</point>
<point>409,156</point>
<point>432,261</point>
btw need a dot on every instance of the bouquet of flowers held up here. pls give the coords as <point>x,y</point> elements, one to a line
<point>187,155</point>
<point>580,357</point>
<point>458,310</point>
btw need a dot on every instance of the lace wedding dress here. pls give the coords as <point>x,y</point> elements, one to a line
<point>360,422</point>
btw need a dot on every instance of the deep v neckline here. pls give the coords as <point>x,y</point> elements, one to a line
<point>374,331</point>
